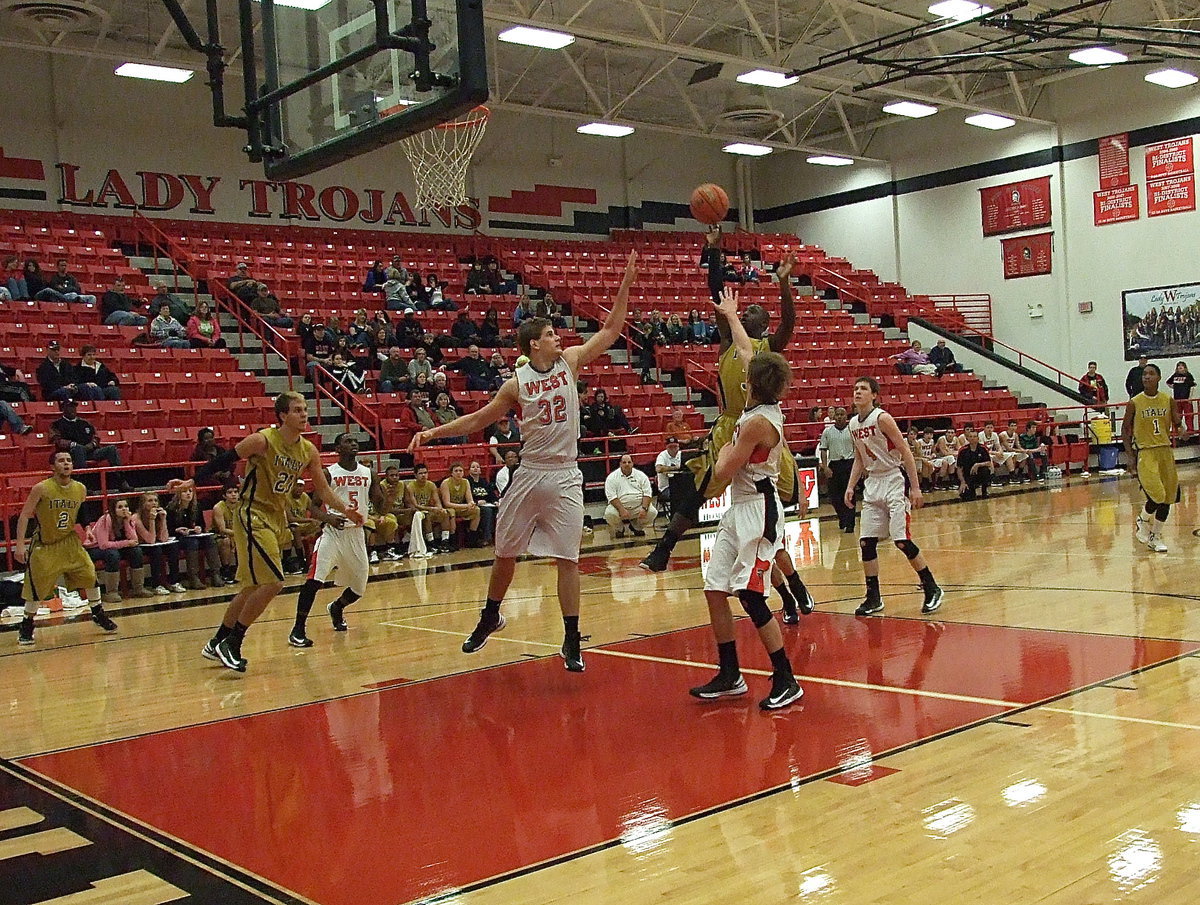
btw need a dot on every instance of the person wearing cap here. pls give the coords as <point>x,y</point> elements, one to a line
<point>59,379</point>
<point>668,462</point>
<point>264,302</point>
<point>73,434</point>
<point>241,283</point>
<point>318,347</point>
<point>1133,380</point>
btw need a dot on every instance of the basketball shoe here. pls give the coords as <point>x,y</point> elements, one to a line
<point>25,633</point>
<point>102,619</point>
<point>784,691</point>
<point>869,607</point>
<point>1155,543</point>
<point>335,615</point>
<point>1143,529</point>
<point>572,657</point>
<point>933,599</point>
<point>299,639</point>
<point>487,625</point>
<point>722,686</point>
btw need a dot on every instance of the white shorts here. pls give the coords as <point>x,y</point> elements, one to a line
<point>885,508</point>
<point>741,554</point>
<point>541,513</point>
<point>943,461</point>
<point>346,551</point>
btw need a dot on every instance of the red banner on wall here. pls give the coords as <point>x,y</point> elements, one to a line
<point>1018,205</point>
<point>1114,160</point>
<point>1169,158</point>
<point>1116,205</point>
<point>1027,256</point>
<point>1171,196</point>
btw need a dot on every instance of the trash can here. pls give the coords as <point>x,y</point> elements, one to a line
<point>1108,456</point>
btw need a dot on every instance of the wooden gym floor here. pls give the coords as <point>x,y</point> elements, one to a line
<point>1037,740</point>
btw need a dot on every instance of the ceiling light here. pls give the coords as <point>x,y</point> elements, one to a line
<point>303,4</point>
<point>959,10</point>
<point>1172,78</point>
<point>767,78</point>
<point>829,160</point>
<point>749,150</point>
<point>1098,56</point>
<point>536,37</point>
<point>910,109</point>
<point>606,129</point>
<point>156,73</point>
<point>989,121</point>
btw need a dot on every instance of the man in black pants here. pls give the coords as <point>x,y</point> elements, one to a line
<point>836,449</point>
<point>974,467</point>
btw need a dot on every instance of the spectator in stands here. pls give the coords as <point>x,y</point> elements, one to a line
<point>333,326</point>
<point>58,378</point>
<point>117,307</point>
<point>73,434</point>
<point>630,500</point>
<point>731,272</point>
<point>913,361</point>
<point>39,287</point>
<point>503,371</point>
<point>525,309</point>
<point>1093,387</point>
<point>747,270</point>
<point>438,391</point>
<point>711,326</point>
<point>395,293</point>
<point>10,417</point>
<point>203,331</point>
<point>266,305</point>
<point>668,462</point>
<point>416,415</point>
<point>459,500</point>
<point>677,333</point>
<point>409,332</point>
<point>602,419</point>
<point>14,279</point>
<point>552,311</point>
<point>1181,383</point>
<point>207,449</point>
<point>476,279</point>
<point>376,277</point>
<point>360,328</point>
<point>1133,379</point>
<point>420,364</point>
<point>13,387</point>
<point>423,383</point>
<point>489,330</point>
<point>464,331</point>
<point>1037,447</point>
<point>93,377</point>
<point>678,427</point>
<point>512,461</point>
<point>168,332</point>
<point>438,300</point>
<point>479,374</point>
<point>180,310</point>
<point>117,542</point>
<point>62,282</point>
<point>697,330</point>
<point>150,522</point>
<point>393,374</point>
<point>346,374</point>
<point>974,467</point>
<point>418,291</point>
<point>497,284</point>
<point>318,351</point>
<point>485,498</point>
<point>942,358</point>
<point>341,346</point>
<point>378,344</point>
<point>185,523</point>
<point>504,436</point>
<point>242,284</point>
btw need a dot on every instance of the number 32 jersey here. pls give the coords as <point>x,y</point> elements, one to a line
<point>549,404</point>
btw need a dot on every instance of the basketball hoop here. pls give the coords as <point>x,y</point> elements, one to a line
<point>440,157</point>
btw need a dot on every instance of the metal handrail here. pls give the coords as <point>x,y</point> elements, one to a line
<point>350,412</point>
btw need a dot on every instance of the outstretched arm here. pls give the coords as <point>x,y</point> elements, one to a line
<point>253,445</point>
<point>464,425</point>
<point>739,338</point>
<point>787,306</point>
<point>756,433</point>
<point>608,334</point>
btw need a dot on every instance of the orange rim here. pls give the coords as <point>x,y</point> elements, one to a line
<point>473,117</point>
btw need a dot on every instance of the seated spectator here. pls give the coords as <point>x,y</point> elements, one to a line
<point>416,415</point>
<point>441,384</point>
<point>117,542</point>
<point>697,330</point>
<point>14,279</point>
<point>150,522</point>
<point>417,291</point>
<point>504,435</point>
<point>421,382</point>
<point>438,300</point>
<point>669,461</point>
<point>333,324</point>
<point>1093,387</point>
<point>266,305</point>
<point>502,369</point>
<point>38,285</point>
<point>222,524</point>
<point>421,495</point>
<point>242,284</point>
<point>203,330</point>
<point>748,272</point>
<point>13,387</point>
<point>410,333</point>
<point>444,412</point>
<point>94,379</point>
<point>525,309</point>
<point>318,351</point>
<point>167,331</point>
<point>398,266</point>
<point>459,501</point>
<point>180,310</point>
<point>341,346</point>
<point>207,449</point>
<point>479,374</point>
<point>489,330</point>
<point>346,374</point>
<point>378,344</point>
<point>552,311</point>
<point>360,328</point>
<point>73,434</point>
<point>395,293</point>
<point>678,427</point>
<point>629,496</point>
<point>383,319</point>
<point>497,284</point>
<point>464,330</point>
<point>484,494</point>
<point>10,417</point>
<point>512,461</point>
<point>942,358</point>
<point>1037,447</point>
<point>67,286</point>
<point>974,467</point>
<point>602,419</point>
<point>676,332</point>
<point>58,378</point>
<point>393,373</point>
<point>730,271</point>
<point>420,364</point>
<point>476,280</point>
<point>376,277</point>
<point>913,361</point>
<point>185,523</point>
<point>118,308</point>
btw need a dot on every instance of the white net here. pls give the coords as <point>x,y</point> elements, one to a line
<point>440,157</point>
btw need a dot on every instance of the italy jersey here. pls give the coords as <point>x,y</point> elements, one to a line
<point>1151,420</point>
<point>57,510</point>
<point>270,477</point>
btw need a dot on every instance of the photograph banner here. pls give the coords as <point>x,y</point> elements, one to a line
<point>1162,322</point>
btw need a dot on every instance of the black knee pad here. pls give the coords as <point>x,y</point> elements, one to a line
<point>756,608</point>
<point>869,547</point>
<point>908,548</point>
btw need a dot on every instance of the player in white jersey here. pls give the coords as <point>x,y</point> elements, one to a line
<point>751,531</point>
<point>342,547</point>
<point>883,456</point>
<point>541,511</point>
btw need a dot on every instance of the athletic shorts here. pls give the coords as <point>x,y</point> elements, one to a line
<point>885,507</point>
<point>1156,473</point>
<point>742,554</point>
<point>541,513</point>
<point>258,546</point>
<point>703,465</point>
<point>49,562</point>
<point>344,553</point>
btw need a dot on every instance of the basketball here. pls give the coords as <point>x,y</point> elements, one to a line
<point>709,203</point>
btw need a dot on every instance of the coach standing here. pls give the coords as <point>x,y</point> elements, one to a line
<point>836,449</point>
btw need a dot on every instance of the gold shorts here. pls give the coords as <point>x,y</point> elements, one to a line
<point>258,546</point>
<point>48,563</point>
<point>703,465</point>
<point>1156,473</point>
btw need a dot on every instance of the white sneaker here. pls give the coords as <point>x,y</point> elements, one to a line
<point>1143,530</point>
<point>161,591</point>
<point>392,556</point>
<point>1155,543</point>
<point>177,588</point>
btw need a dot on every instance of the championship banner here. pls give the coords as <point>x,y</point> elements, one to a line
<point>1113,157</point>
<point>713,509</point>
<point>1169,158</point>
<point>1027,256</point>
<point>1171,196</point>
<point>1115,205</point>
<point>1016,206</point>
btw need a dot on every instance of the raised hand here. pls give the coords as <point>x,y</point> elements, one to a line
<point>786,266</point>
<point>728,304</point>
<point>630,269</point>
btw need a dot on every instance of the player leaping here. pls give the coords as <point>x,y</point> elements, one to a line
<point>541,511</point>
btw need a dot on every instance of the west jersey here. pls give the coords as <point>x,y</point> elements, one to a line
<point>271,475</point>
<point>742,487</point>
<point>549,403</point>
<point>925,447</point>
<point>352,487</point>
<point>878,455</point>
<point>731,378</point>
<point>1151,420</point>
<point>56,510</point>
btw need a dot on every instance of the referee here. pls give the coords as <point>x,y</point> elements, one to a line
<point>836,449</point>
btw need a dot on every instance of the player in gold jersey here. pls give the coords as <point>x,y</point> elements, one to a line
<point>276,458</point>
<point>1146,432</point>
<point>55,551</point>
